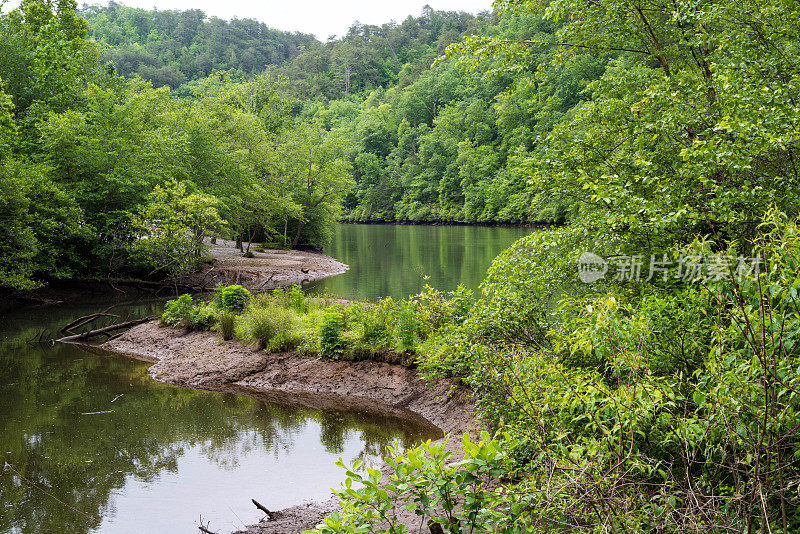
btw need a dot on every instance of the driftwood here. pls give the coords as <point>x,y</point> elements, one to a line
<point>262,507</point>
<point>82,321</point>
<point>205,528</point>
<point>106,330</point>
<point>41,337</point>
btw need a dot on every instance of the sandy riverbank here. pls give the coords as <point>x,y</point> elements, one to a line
<point>203,360</point>
<point>265,270</point>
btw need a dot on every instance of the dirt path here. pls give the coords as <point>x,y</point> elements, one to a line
<point>203,360</point>
<point>265,270</point>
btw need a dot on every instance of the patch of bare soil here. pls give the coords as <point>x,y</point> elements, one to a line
<point>203,360</point>
<point>265,270</point>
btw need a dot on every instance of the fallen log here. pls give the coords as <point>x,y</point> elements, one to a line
<point>85,336</point>
<point>81,321</point>
<point>262,507</point>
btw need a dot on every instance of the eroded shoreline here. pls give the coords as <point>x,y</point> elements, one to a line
<point>202,360</point>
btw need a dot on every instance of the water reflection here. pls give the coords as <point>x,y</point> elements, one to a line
<point>98,447</point>
<point>393,260</point>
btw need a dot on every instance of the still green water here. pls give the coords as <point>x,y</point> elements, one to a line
<point>157,457</point>
<point>394,260</point>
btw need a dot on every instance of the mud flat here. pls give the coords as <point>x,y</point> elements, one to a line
<point>265,270</point>
<point>203,360</point>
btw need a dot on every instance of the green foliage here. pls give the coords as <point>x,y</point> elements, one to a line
<point>171,47</point>
<point>179,312</point>
<point>132,179</point>
<point>170,227</point>
<point>185,313</point>
<point>377,323</point>
<point>231,298</point>
<point>406,332</point>
<point>204,317</point>
<point>268,326</point>
<point>424,480</point>
<point>226,324</point>
<point>331,344</point>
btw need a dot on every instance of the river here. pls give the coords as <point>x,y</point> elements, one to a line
<point>90,444</point>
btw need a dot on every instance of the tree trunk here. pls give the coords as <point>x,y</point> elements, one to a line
<point>300,225</point>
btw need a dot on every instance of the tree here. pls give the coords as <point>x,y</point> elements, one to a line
<point>171,226</point>
<point>317,165</point>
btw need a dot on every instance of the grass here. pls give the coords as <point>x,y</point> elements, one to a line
<point>285,319</point>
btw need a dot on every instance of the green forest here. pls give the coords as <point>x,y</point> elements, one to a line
<point>635,361</point>
<point>115,116</point>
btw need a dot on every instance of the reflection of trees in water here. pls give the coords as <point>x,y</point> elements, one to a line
<point>84,459</point>
<point>391,260</point>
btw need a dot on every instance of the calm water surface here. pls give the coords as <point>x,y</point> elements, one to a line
<point>162,456</point>
<point>393,260</point>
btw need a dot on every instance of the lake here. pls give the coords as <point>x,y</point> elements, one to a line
<point>394,260</point>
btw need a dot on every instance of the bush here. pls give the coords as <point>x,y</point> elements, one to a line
<point>440,492</point>
<point>376,323</point>
<point>435,309</point>
<point>226,324</point>
<point>297,300</point>
<point>178,312</point>
<point>270,327</point>
<point>183,312</point>
<point>231,298</point>
<point>331,344</point>
<point>203,317</point>
<point>407,339</point>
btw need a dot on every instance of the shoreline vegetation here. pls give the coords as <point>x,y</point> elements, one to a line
<point>537,225</point>
<point>265,269</point>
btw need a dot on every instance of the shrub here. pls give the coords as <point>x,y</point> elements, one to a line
<point>227,325</point>
<point>375,321</point>
<point>231,298</point>
<point>297,300</point>
<point>270,327</point>
<point>435,308</point>
<point>203,317</point>
<point>442,493</point>
<point>406,329</point>
<point>178,312</point>
<point>331,344</point>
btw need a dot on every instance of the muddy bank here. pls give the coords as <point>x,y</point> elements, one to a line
<point>203,360</point>
<point>268,269</point>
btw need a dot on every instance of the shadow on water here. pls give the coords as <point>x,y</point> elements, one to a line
<point>96,446</point>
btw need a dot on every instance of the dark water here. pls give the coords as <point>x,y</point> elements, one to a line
<point>393,260</point>
<point>162,456</point>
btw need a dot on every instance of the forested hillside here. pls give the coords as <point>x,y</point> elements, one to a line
<point>173,47</point>
<point>455,143</point>
<point>427,145</point>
